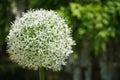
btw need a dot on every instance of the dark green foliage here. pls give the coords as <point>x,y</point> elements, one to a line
<point>96,23</point>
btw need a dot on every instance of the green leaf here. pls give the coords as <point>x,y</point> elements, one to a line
<point>82,31</point>
<point>103,46</point>
<point>75,56</point>
<point>103,33</point>
<point>76,9</point>
<point>99,25</point>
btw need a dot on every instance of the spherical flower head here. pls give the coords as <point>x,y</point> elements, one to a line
<point>40,38</point>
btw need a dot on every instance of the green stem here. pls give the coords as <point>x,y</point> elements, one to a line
<point>41,73</point>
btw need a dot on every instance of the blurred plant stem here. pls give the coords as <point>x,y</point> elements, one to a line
<point>41,73</point>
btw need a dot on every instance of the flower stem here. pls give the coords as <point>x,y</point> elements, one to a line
<point>41,73</point>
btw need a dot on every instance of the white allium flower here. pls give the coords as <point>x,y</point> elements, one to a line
<point>40,38</point>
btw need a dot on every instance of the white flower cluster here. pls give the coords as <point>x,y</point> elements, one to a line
<point>40,38</point>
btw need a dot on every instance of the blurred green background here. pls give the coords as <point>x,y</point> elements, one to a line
<point>95,27</point>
